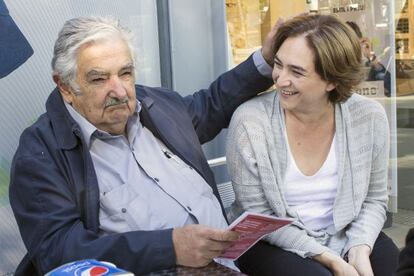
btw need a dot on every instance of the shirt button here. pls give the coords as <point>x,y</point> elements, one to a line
<point>189,208</point>
<point>156,179</point>
<point>123,210</point>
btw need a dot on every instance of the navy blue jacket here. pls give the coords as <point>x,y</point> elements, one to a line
<point>54,191</point>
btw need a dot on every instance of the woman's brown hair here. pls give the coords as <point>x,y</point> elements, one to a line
<point>336,49</point>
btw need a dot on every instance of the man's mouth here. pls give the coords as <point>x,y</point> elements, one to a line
<point>114,102</point>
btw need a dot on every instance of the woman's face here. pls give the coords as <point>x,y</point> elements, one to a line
<point>300,87</point>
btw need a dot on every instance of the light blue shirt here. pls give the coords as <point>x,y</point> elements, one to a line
<point>261,64</point>
<point>143,186</point>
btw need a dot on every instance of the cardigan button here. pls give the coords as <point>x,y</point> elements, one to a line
<point>123,210</point>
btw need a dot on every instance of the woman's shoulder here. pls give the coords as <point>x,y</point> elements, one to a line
<point>257,106</point>
<point>364,105</point>
<point>361,106</point>
<point>366,116</point>
<point>255,114</point>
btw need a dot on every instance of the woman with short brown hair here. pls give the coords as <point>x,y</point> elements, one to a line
<point>314,151</point>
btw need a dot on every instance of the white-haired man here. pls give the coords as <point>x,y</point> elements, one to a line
<point>115,171</point>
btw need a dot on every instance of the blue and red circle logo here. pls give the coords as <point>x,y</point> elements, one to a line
<point>95,270</point>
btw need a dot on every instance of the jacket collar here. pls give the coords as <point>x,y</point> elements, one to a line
<point>164,127</point>
<point>66,129</point>
<point>68,132</point>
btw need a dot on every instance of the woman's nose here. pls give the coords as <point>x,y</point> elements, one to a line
<point>281,78</point>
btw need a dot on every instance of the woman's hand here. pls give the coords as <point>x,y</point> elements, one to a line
<point>336,264</point>
<point>358,257</point>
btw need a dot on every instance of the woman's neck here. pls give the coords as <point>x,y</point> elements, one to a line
<point>316,116</point>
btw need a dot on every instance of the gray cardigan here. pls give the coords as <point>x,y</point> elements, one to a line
<point>257,162</point>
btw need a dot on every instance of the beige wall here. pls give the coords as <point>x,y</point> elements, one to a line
<point>285,9</point>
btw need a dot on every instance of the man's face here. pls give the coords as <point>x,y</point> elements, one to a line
<point>106,80</point>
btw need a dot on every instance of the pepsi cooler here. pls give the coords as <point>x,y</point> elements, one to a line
<point>88,268</point>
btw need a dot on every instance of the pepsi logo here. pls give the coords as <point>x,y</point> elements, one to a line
<point>92,271</point>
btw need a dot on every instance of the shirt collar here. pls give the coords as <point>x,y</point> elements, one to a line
<point>89,130</point>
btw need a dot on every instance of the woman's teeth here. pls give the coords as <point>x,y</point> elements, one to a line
<point>288,92</point>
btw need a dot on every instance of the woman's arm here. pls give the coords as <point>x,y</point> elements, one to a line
<point>370,220</point>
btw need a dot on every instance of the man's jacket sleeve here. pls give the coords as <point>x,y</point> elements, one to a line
<point>211,109</point>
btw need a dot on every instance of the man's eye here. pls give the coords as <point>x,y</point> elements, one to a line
<point>127,73</point>
<point>98,80</point>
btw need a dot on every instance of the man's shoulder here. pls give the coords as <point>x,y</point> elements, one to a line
<point>155,93</point>
<point>32,137</point>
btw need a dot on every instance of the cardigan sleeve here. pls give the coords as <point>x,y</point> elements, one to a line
<point>255,184</point>
<point>365,228</point>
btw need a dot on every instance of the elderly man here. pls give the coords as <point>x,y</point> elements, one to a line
<point>115,171</point>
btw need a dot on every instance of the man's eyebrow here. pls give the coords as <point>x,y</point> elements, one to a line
<point>94,73</point>
<point>295,67</point>
<point>129,66</point>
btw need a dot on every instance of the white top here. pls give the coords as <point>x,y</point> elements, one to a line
<point>312,197</point>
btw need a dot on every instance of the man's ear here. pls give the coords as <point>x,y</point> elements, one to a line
<point>64,89</point>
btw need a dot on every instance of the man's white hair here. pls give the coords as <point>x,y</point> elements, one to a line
<point>77,32</point>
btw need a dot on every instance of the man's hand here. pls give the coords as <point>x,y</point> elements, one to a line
<point>197,245</point>
<point>358,257</point>
<point>267,48</point>
<point>336,264</point>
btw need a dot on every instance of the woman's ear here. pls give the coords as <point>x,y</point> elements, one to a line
<point>330,86</point>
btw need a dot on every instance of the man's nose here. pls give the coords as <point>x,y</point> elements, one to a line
<point>117,88</point>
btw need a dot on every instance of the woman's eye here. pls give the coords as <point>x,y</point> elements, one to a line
<point>298,74</point>
<point>278,65</point>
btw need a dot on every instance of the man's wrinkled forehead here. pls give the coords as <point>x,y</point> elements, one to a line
<point>99,72</point>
